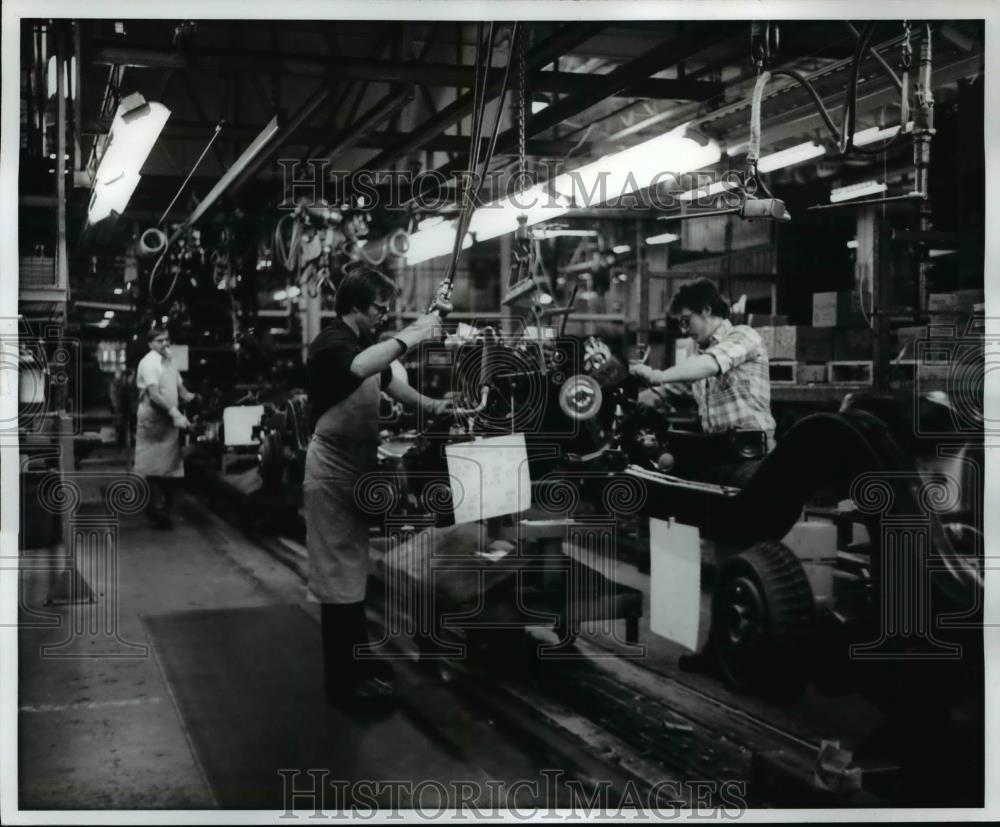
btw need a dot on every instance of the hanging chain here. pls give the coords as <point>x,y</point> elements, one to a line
<point>522,103</point>
<point>907,57</point>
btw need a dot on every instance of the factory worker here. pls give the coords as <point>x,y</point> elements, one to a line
<point>158,426</point>
<point>728,376</point>
<point>346,370</point>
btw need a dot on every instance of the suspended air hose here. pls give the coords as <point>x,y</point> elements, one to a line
<point>844,136</point>
<point>478,161</point>
<point>287,254</point>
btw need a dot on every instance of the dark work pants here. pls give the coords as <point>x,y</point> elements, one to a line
<point>161,495</point>
<point>345,628</point>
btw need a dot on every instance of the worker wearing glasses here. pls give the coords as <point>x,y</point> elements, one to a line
<point>346,371</point>
<point>159,422</point>
<point>728,376</point>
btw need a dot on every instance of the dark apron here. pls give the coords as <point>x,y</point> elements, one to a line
<point>343,448</point>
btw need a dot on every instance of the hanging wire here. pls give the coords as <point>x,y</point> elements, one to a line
<point>479,160</point>
<point>204,152</point>
<point>522,89</point>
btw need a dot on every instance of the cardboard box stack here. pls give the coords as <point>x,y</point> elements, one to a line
<point>852,344</point>
<point>837,309</point>
<point>802,344</point>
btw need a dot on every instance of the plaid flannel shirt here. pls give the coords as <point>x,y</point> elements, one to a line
<point>739,396</point>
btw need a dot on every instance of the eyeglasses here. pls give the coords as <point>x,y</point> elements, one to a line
<point>684,321</point>
<point>382,309</point>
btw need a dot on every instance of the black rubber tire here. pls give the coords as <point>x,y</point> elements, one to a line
<point>763,622</point>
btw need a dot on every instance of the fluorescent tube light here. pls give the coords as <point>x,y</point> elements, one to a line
<point>707,192</point>
<point>789,157</point>
<point>111,196</point>
<point>874,134</point>
<point>838,194</point>
<point>663,238</point>
<point>430,221</point>
<point>437,241</point>
<point>852,244</point>
<point>557,233</point>
<point>134,131</point>
<point>618,249</point>
<point>639,167</point>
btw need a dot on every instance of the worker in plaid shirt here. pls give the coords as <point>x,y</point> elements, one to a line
<point>729,376</point>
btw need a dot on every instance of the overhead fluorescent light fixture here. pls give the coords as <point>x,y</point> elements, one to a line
<point>716,188</point>
<point>564,233</point>
<point>433,242</point>
<point>639,167</point>
<point>874,134</point>
<point>618,249</point>
<point>790,157</point>
<point>663,238</point>
<point>847,193</point>
<point>939,253</point>
<point>647,164</point>
<point>134,130</point>
<point>852,244</point>
<point>430,221</point>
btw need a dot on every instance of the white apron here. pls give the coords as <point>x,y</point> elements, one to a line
<point>157,441</point>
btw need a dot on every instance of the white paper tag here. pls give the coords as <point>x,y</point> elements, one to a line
<point>489,477</point>
<point>675,581</point>
<point>238,422</point>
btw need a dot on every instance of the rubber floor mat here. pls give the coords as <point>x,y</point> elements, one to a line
<point>249,687</point>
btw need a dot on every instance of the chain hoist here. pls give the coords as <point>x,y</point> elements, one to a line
<point>521,250</point>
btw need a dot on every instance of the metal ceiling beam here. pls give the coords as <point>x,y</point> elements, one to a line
<point>386,71</point>
<point>601,87</point>
<point>380,112</point>
<point>195,131</point>
<point>563,41</point>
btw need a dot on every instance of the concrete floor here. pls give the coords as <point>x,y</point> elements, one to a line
<point>100,730</point>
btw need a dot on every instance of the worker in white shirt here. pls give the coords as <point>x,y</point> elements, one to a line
<point>159,422</point>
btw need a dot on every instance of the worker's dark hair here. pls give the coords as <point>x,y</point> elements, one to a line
<point>696,296</point>
<point>155,331</point>
<point>362,287</point>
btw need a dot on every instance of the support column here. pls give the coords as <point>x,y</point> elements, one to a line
<point>874,267</point>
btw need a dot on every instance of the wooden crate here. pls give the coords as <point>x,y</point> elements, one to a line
<point>850,372</point>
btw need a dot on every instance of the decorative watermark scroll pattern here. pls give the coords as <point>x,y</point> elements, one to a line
<point>92,560</point>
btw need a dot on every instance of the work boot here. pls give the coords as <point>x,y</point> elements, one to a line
<point>368,663</point>
<point>350,682</point>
